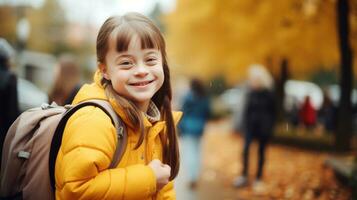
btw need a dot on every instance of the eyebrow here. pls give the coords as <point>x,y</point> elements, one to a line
<point>156,52</point>
<point>152,52</point>
<point>124,55</point>
<point>121,56</point>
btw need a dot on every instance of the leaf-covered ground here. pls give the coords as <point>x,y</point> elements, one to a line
<point>290,172</point>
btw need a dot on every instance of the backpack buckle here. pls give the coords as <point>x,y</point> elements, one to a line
<point>68,106</point>
<point>121,132</point>
<point>23,154</point>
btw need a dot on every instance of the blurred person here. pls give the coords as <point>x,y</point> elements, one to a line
<point>307,113</point>
<point>9,106</point>
<point>67,80</point>
<point>259,119</point>
<point>196,109</point>
<point>133,76</point>
<point>327,114</point>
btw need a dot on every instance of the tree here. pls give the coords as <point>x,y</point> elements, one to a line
<point>8,23</point>
<point>217,37</point>
<point>344,124</point>
<point>48,26</point>
<point>280,91</point>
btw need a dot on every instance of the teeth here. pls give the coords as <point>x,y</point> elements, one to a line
<point>141,84</point>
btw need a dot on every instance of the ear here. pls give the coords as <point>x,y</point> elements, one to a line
<point>103,70</point>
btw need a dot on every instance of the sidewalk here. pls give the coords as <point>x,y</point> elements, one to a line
<point>290,173</point>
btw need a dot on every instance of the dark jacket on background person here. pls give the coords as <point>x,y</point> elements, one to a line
<point>73,93</point>
<point>259,115</point>
<point>9,109</point>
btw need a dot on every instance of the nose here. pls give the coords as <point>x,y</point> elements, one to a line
<point>141,70</point>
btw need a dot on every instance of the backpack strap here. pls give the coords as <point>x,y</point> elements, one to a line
<point>119,126</point>
<point>57,138</point>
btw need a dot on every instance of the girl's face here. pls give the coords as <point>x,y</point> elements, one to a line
<point>136,74</point>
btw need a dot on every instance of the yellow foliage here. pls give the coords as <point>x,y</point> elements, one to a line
<point>47,27</point>
<point>210,37</point>
<point>8,23</point>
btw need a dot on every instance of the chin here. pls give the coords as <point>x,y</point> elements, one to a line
<point>141,99</point>
<point>143,96</point>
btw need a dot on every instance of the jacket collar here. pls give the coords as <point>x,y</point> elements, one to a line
<point>153,113</point>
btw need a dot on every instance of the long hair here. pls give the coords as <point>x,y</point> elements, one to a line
<point>67,77</point>
<point>124,28</point>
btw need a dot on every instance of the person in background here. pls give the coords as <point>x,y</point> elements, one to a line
<point>196,109</point>
<point>9,106</point>
<point>67,80</point>
<point>327,114</point>
<point>307,113</point>
<point>259,119</point>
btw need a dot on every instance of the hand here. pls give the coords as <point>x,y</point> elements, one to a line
<point>162,173</point>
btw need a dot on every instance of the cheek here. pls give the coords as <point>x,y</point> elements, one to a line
<point>118,82</point>
<point>160,76</point>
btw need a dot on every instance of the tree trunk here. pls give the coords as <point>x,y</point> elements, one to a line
<point>344,121</point>
<point>280,93</point>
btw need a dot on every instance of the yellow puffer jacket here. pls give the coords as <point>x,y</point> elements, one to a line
<point>88,144</point>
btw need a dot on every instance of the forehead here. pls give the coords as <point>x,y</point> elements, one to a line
<point>125,37</point>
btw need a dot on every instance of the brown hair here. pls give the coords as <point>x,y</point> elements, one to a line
<point>67,77</point>
<point>123,28</point>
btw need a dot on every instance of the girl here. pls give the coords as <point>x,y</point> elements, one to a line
<point>196,106</point>
<point>134,77</point>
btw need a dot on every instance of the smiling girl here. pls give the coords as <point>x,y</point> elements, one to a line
<point>133,75</point>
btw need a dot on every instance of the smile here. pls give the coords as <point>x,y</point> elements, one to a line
<point>144,83</point>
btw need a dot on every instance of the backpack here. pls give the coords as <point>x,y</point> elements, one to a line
<point>31,146</point>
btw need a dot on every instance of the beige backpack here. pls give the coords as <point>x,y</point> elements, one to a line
<point>31,146</point>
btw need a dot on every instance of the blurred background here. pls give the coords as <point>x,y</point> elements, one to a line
<point>307,46</point>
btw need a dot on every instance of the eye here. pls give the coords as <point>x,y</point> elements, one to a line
<point>125,64</point>
<point>151,61</point>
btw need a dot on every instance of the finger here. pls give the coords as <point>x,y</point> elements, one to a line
<point>166,166</point>
<point>167,171</point>
<point>161,164</point>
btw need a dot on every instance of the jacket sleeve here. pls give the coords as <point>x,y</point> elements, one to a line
<point>88,145</point>
<point>167,192</point>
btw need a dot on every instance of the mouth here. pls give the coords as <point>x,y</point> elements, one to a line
<point>141,84</point>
